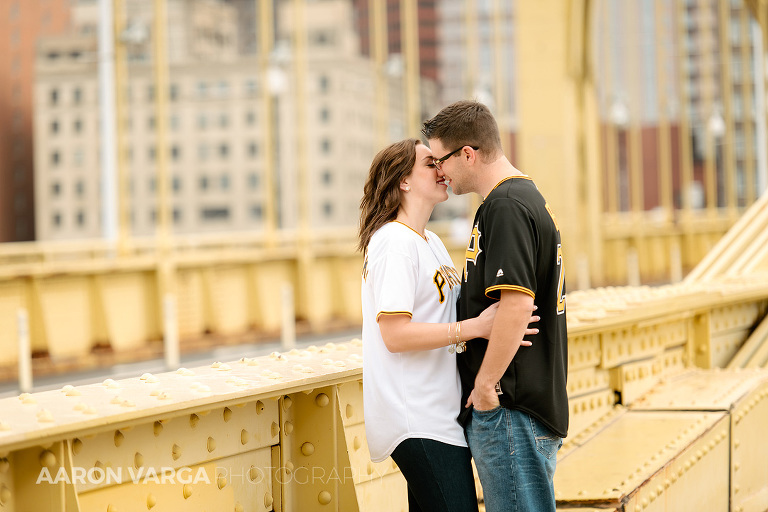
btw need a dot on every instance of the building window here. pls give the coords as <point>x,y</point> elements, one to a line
<point>223,120</point>
<point>175,153</point>
<point>327,209</point>
<point>54,127</point>
<point>202,152</point>
<point>202,122</point>
<point>223,150</point>
<point>77,96</point>
<point>256,212</point>
<point>81,218</point>
<point>150,93</point>
<point>203,183</point>
<point>253,181</point>
<point>78,157</point>
<point>324,83</point>
<point>253,149</point>
<point>151,122</point>
<point>223,89</point>
<point>56,220</point>
<point>55,189</point>
<point>325,145</point>
<point>80,188</point>
<point>54,96</point>
<point>325,115</point>
<point>250,88</point>
<point>327,177</point>
<point>224,181</point>
<point>55,158</point>
<point>152,184</point>
<point>174,92</point>
<point>176,184</point>
<point>151,153</point>
<point>202,89</point>
<point>214,213</point>
<point>176,216</point>
<point>250,118</point>
<point>77,126</point>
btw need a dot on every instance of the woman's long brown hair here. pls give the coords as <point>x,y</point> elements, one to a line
<point>381,194</point>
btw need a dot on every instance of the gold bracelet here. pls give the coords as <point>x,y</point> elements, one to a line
<point>461,346</point>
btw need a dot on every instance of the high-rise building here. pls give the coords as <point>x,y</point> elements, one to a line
<point>694,67</point>
<point>217,164</point>
<point>427,32</point>
<point>21,22</point>
<point>196,29</point>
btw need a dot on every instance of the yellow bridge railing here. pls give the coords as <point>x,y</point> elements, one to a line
<point>286,432</point>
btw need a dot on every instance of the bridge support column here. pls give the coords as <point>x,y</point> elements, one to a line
<point>558,120</point>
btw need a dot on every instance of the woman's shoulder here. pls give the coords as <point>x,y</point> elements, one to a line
<point>392,236</point>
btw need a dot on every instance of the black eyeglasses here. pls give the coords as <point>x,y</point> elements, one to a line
<point>439,161</point>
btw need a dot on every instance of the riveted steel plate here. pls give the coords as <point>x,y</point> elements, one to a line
<point>701,390</point>
<point>610,468</point>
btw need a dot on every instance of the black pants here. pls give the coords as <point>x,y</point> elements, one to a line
<point>439,476</point>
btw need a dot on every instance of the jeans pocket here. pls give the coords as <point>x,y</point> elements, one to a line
<point>547,443</point>
<point>487,413</point>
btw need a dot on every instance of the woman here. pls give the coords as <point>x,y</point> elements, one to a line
<point>411,387</point>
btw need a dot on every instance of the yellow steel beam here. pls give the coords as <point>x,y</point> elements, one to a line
<point>724,144</point>
<point>378,30</point>
<point>500,73</point>
<point>266,45</point>
<point>409,31</point>
<point>121,84</point>
<point>664,135</point>
<point>557,119</point>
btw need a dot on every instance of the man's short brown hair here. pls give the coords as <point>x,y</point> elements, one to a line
<point>465,123</point>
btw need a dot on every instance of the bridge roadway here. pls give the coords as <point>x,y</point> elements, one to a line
<point>188,359</point>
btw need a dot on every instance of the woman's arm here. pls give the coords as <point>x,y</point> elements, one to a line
<point>402,335</point>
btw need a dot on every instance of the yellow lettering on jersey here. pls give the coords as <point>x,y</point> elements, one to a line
<point>439,282</point>
<point>560,281</point>
<point>473,250</point>
<point>552,214</point>
<point>365,269</point>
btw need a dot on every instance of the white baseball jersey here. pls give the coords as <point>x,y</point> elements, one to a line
<point>408,394</point>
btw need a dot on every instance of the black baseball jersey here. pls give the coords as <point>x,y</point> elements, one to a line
<point>515,245</point>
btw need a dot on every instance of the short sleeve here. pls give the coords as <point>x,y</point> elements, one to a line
<point>510,248</point>
<point>393,277</point>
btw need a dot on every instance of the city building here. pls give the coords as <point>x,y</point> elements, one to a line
<point>21,22</point>
<point>687,72</point>
<point>217,158</point>
<point>427,32</point>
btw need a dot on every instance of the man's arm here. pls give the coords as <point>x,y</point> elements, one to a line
<point>509,326</point>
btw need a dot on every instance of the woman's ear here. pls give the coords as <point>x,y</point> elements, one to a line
<point>405,186</point>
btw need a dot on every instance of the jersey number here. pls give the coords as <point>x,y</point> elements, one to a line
<point>560,281</point>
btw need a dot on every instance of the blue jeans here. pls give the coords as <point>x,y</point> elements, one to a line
<point>515,455</point>
<point>439,476</point>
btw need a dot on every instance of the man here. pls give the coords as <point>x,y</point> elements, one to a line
<point>516,406</point>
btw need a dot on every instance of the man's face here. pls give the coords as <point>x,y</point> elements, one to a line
<point>451,165</point>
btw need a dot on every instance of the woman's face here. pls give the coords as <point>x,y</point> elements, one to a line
<point>424,182</point>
